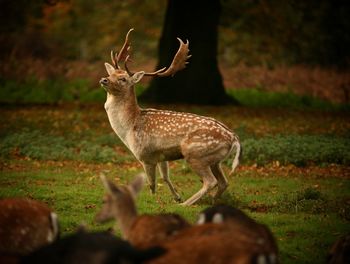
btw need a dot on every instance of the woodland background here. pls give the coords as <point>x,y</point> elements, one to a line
<point>286,46</point>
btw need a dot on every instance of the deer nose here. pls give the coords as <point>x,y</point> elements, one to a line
<point>104,81</point>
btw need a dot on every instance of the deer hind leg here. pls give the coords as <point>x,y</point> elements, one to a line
<point>150,170</point>
<point>209,181</point>
<point>164,172</point>
<point>220,176</point>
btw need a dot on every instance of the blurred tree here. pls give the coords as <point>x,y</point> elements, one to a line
<point>86,30</point>
<point>200,82</point>
<point>251,32</point>
<point>13,20</point>
<point>273,32</point>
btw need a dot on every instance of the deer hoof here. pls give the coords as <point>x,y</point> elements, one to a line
<point>178,199</point>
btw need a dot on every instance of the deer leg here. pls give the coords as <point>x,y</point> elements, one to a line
<point>150,170</point>
<point>220,176</point>
<point>164,172</point>
<point>209,181</point>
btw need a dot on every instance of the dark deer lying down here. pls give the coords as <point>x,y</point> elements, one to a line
<point>91,248</point>
<point>141,230</point>
<point>25,225</point>
<point>158,136</point>
<point>243,241</point>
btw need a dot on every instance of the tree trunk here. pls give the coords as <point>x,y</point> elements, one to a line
<point>200,82</point>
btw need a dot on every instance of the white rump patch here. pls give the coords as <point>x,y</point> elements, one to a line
<point>201,219</point>
<point>218,218</point>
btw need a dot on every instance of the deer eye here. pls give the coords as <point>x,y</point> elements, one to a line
<point>122,80</point>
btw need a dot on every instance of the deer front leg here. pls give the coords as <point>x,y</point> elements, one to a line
<point>164,172</point>
<point>150,170</point>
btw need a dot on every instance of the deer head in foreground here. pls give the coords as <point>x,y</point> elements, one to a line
<point>140,230</point>
<point>158,136</point>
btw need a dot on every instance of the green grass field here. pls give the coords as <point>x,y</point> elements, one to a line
<point>294,175</point>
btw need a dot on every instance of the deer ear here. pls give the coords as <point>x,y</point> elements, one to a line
<point>110,69</point>
<point>109,186</point>
<point>137,76</point>
<point>137,184</point>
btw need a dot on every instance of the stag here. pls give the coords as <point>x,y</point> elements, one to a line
<point>158,136</point>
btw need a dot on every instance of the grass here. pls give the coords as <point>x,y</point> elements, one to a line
<point>79,90</point>
<point>255,97</point>
<point>298,149</point>
<point>286,149</point>
<point>300,227</point>
<point>48,91</point>
<point>294,176</point>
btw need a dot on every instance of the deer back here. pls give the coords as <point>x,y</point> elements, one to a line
<point>211,243</point>
<point>152,230</point>
<point>25,225</point>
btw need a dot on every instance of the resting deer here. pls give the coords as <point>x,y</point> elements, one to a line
<point>158,136</point>
<point>237,221</point>
<point>224,235</point>
<point>25,225</point>
<point>213,243</point>
<point>140,230</point>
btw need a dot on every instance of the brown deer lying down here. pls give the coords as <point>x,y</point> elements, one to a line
<point>231,242</point>
<point>141,230</point>
<point>158,136</point>
<point>25,225</point>
<point>236,220</point>
<point>213,243</point>
<point>224,235</point>
<point>91,248</point>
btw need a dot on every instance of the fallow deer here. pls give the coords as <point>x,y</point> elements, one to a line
<point>224,235</point>
<point>213,243</point>
<point>140,230</point>
<point>25,225</point>
<point>158,136</point>
<point>237,221</point>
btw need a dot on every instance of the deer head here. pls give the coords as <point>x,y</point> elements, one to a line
<point>119,80</point>
<point>119,199</point>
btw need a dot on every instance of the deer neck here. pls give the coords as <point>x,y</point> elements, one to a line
<point>122,112</point>
<point>126,217</point>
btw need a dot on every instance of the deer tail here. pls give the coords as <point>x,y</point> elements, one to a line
<point>237,157</point>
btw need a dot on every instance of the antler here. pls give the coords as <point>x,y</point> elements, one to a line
<point>123,53</point>
<point>179,62</point>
